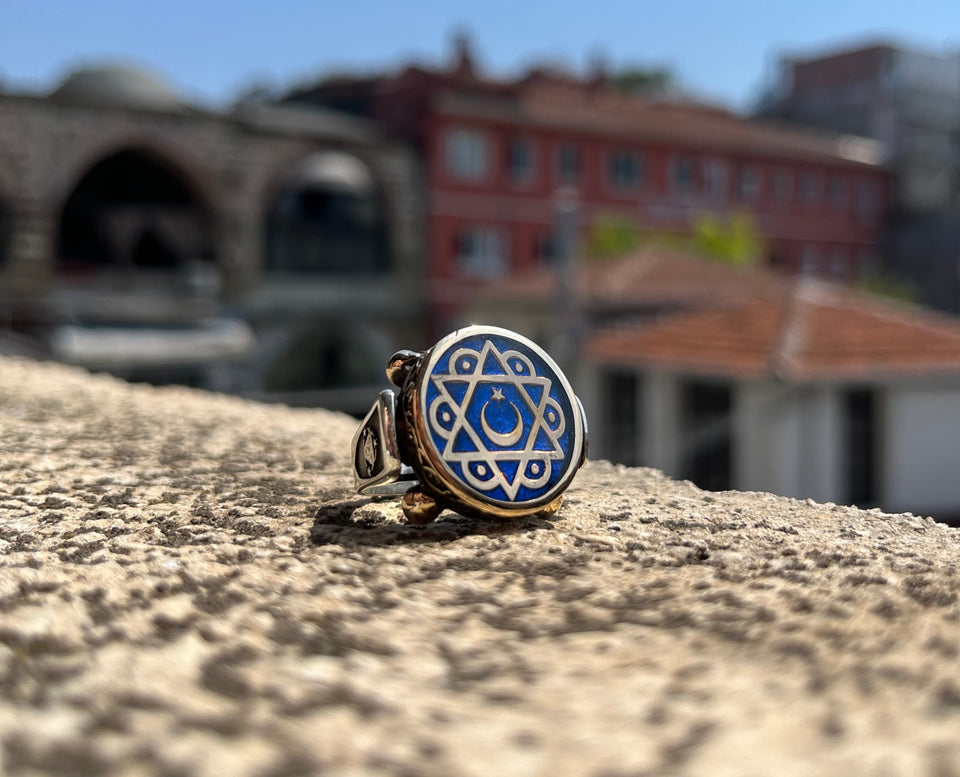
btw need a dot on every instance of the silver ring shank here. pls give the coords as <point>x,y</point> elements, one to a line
<point>377,469</point>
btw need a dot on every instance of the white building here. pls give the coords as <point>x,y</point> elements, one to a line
<point>802,389</point>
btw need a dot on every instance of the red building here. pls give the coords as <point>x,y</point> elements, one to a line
<point>498,154</point>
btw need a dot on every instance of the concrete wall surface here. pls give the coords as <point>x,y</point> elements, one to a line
<point>190,586</point>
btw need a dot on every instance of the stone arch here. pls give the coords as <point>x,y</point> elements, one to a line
<point>133,209</point>
<point>328,216</point>
<point>172,150</point>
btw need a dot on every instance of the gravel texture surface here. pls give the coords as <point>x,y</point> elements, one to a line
<point>189,586</point>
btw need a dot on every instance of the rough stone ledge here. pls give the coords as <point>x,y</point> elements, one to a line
<point>188,586</point>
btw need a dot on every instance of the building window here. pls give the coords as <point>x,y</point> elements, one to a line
<point>780,183</point>
<point>626,170</point>
<point>684,174</point>
<point>466,154</point>
<point>707,440</point>
<point>521,161</point>
<point>748,182</point>
<point>545,248</point>
<point>809,187</point>
<point>715,177</point>
<point>809,260</point>
<point>837,192</point>
<point>838,262</point>
<point>568,164</point>
<point>868,199</point>
<point>862,449</point>
<point>481,253</point>
<point>621,416</point>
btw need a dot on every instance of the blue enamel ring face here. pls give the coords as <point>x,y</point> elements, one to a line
<point>504,422</point>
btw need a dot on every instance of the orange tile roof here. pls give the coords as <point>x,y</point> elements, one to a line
<point>805,331</point>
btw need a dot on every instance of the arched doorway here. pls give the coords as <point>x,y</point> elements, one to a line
<point>131,212</point>
<point>328,218</point>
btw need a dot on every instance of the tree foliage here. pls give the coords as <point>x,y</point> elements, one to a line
<point>612,236</point>
<point>635,79</point>
<point>733,239</point>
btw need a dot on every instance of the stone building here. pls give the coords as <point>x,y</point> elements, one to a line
<point>264,250</point>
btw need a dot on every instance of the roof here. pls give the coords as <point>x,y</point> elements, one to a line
<point>333,170</point>
<point>552,99</point>
<point>803,330</point>
<point>628,116</point>
<point>651,276</point>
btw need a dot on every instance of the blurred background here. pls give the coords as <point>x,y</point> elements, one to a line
<point>737,227</point>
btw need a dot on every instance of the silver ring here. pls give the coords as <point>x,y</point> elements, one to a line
<point>485,423</point>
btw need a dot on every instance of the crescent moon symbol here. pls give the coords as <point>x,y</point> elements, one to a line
<point>504,440</point>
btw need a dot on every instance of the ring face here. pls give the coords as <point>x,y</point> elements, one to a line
<point>501,419</point>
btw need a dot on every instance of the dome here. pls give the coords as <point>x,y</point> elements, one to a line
<point>334,170</point>
<point>118,86</point>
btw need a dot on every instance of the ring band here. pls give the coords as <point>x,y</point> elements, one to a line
<point>485,423</point>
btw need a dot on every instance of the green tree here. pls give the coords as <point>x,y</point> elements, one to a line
<point>733,239</point>
<point>612,236</point>
<point>635,79</point>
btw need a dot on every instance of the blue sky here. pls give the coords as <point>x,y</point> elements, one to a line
<point>212,48</point>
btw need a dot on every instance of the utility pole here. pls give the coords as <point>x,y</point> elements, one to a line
<point>566,313</point>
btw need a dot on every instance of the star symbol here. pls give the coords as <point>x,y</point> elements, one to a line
<point>511,468</point>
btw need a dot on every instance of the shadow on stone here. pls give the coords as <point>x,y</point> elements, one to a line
<point>349,522</point>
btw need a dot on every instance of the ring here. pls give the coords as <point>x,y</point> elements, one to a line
<point>484,423</point>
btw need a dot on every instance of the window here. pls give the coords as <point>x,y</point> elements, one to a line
<point>621,416</point>
<point>862,448</point>
<point>568,163</point>
<point>868,199</point>
<point>809,187</point>
<point>706,445</point>
<point>545,248</point>
<point>838,262</point>
<point>837,192</point>
<point>521,161</point>
<point>715,177</point>
<point>481,253</point>
<point>776,258</point>
<point>748,182</point>
<point>780,183</point>
<point>626,170</point>
<point>466,154</point>
<point>684,174</point>
<point>809,260</point>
